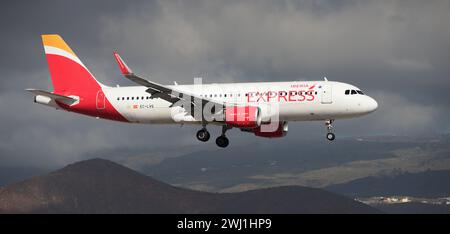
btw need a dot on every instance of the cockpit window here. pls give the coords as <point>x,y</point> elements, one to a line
<point>353,92</point>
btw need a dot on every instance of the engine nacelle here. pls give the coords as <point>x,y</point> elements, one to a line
<point>243,116</point>
<point>264,131</point>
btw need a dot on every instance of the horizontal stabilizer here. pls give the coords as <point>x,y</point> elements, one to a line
<point>61,98</point>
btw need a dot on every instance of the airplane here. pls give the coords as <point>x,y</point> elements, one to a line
<point>261,108</point>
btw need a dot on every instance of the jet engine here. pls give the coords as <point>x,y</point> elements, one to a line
<point>243,116</point>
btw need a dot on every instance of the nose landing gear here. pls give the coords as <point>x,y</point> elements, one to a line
<point>330,134</point>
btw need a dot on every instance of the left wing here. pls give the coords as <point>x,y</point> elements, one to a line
<point>169,94</point>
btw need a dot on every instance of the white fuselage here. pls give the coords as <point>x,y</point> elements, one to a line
<point>250,107</point>
<point>294,101</point>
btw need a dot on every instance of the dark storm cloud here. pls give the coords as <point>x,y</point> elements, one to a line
<point>398,51</point>
<point>373,44</point>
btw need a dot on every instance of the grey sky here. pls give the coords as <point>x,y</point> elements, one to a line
<point>396,51</point>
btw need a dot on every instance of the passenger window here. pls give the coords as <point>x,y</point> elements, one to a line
<point>353,92</point>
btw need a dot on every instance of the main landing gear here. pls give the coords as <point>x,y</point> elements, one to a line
<point>330,134</point>
<point>203,135</point>
<point>221,141</point>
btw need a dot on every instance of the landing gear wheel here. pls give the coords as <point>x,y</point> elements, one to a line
<point>329,126</point>
<point>330,136</point>
<point>222,141</point>
<point>203,135</point>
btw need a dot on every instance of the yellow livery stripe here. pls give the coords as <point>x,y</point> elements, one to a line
<point>56,41</point>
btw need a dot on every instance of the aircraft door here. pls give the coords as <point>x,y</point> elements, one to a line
<point>100,100</point>
<point>327,94</point>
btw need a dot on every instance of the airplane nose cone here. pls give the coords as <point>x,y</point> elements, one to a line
<point>372,105</point>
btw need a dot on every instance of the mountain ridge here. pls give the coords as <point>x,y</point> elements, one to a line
<point>428,184</point>
<point>102,186</point>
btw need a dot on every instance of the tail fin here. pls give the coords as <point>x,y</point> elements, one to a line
<point>69,75</point>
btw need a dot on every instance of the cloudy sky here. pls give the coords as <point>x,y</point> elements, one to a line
<point>396,51</point>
